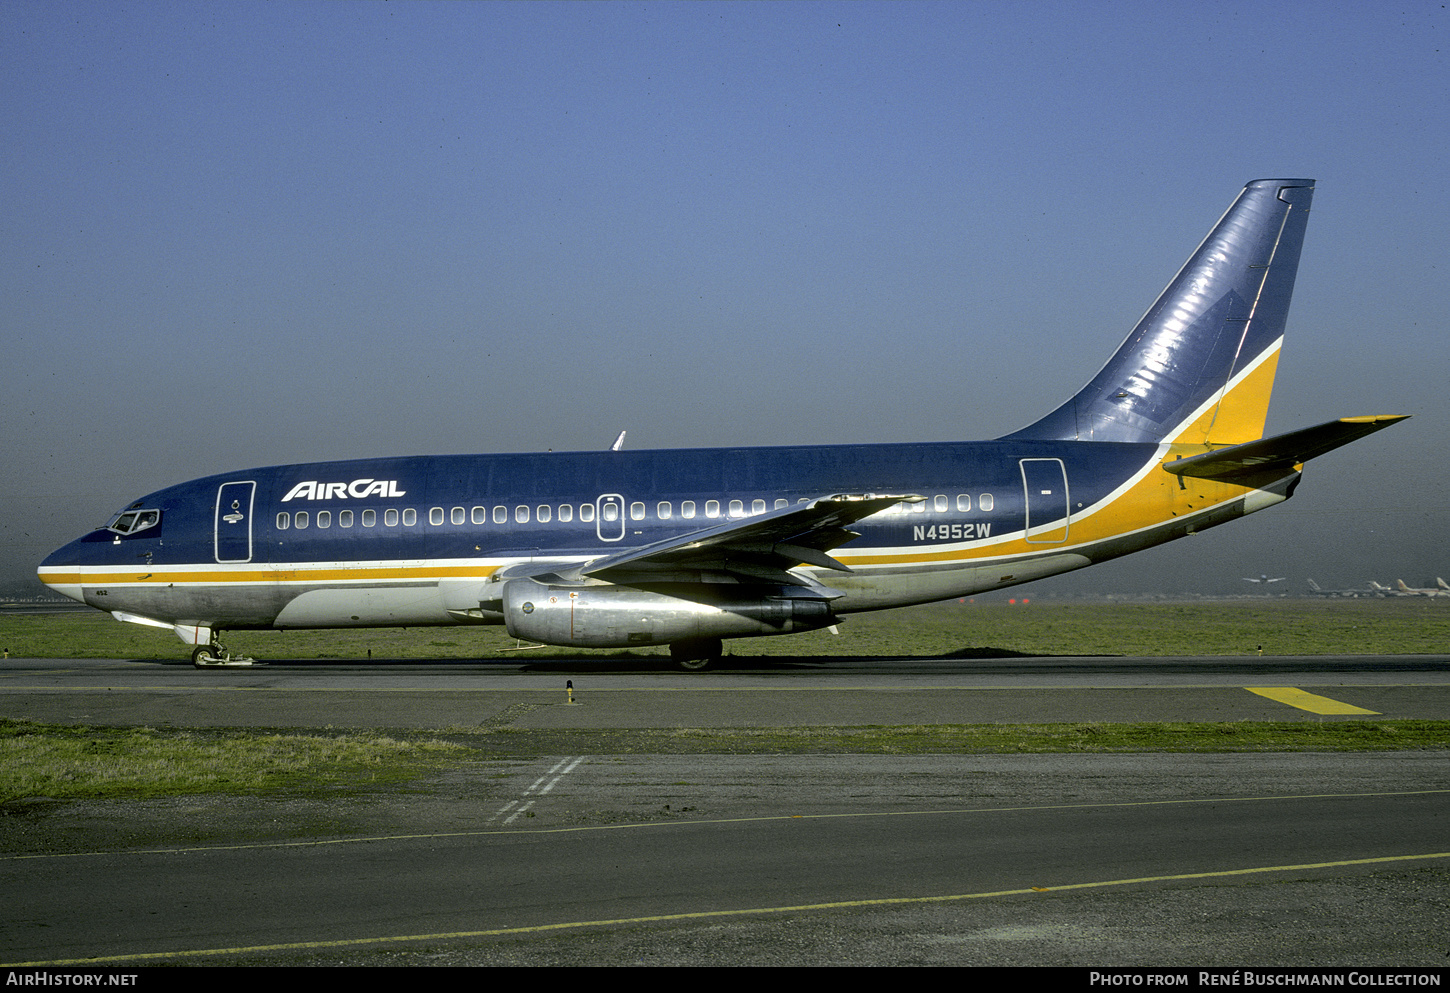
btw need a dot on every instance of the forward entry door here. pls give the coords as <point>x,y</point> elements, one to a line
<point>234,521</point>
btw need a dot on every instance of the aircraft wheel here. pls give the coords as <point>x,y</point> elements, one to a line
<point>696,654</point>
<point>203,654</point>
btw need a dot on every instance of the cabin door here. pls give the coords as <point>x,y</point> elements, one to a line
<point>1044,484</point>
<point>233,527</point>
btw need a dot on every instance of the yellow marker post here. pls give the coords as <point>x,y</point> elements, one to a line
<point>1311,702</point>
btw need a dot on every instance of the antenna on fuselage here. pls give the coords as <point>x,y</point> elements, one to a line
<point>618,443</point>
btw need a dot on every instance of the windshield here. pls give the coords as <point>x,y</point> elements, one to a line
<point>131,521</point>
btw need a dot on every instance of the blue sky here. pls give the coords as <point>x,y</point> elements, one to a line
<point>241,234</point>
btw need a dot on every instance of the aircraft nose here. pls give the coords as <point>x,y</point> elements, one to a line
<point>61,571</point>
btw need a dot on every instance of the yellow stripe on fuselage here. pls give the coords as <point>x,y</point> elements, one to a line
<point>1148,499</point>
<point>300,572</point>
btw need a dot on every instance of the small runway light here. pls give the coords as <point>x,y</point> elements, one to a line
<point>569,686</point>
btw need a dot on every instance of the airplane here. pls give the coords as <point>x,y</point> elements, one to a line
<point>1422,591</point>
<point>1264,578</point>
<point>688,548</point>
<point>1316,590</point>
<point>1381,590</point>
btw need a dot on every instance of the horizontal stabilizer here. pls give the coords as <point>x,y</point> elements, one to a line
<point>1281,452</point>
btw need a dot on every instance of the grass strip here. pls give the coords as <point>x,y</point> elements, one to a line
<point>90,762</point>
<point>981,739</point>
<point>74,762</point>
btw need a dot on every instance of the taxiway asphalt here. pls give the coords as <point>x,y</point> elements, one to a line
<point>752,692</point>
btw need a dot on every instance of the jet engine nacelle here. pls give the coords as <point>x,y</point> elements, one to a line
<point>605,616</point>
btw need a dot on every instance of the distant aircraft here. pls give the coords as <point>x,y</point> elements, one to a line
<point>687,548</point>
<point>1316,590</point>
<point>1373,589</point>
<point>1424,590</point>
<point>1264,578</point>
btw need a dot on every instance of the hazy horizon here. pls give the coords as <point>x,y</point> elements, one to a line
<point>249,234</point>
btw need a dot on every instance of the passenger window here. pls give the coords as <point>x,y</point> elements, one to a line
<point>324,518</point>
<point>390,518</point>
<point>636,511</point>
<point>344,518</point>
<point>611,511</point>
<point>664,510</point>
<point>712,508</point>
<point>410,517</point>
<point>435,516</point>
<point>543,512</point>
<point>521,514</point>
<point>939,503</point>
<point>566,512</point>
<point>687,509</point>
<point>985,502</point>
<point>737,509</point>
<point>480,515</point>
<point>369,518</point>
<point>586,512</point>
<point>284,521</point>
<point>964,502</point>
<point>458,515</point>
<point>301,519</point>
<point>500,515</point>
<point>757,506</point>
<point>919,507</point>
<point>781,503</point>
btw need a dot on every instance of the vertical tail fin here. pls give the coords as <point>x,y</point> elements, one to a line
<point>1199,366</point>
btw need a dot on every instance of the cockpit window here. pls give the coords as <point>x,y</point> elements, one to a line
<point>131,521</point>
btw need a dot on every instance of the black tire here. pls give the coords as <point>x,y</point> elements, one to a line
<point>696,654</point>
<point>202,654</point>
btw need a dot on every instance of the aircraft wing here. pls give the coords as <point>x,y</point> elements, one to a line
<point>1281,452</point>
<point>763,546</point>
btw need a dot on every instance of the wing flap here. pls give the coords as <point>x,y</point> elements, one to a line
<point>1282,452</point>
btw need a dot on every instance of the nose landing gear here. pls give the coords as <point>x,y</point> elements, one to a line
<point>214,656</point>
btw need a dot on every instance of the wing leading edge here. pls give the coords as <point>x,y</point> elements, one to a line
<point>764,546</point>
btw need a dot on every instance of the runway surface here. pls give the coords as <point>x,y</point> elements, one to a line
<point>751,692</point>
<point>1219,859</point>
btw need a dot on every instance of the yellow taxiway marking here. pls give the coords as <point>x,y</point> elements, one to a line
<point>1311,702</point>
<point>707,914</point>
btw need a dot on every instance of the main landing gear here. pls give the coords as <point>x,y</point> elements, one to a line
<point>696,654</point>
<point>215,656</point>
